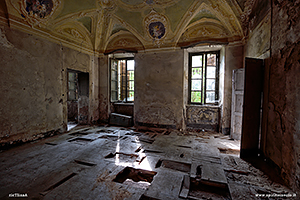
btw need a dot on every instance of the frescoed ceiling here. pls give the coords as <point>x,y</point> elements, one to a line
<point>104,26</point>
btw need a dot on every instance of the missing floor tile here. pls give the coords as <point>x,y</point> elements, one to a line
<point>58,183</point>
<point>84,163</point>
<point>199,190</point>
<point>50,143</point>
<point>84,140</point>
<point>135,174</point>
<point>178,166</point>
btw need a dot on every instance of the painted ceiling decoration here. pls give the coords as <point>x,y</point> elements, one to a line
<point>101,26</point>
<point>38,11</point>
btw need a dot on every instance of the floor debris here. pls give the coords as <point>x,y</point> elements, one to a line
<point>128,163</point>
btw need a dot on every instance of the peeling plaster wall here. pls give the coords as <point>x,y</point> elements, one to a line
<point>234,59</point>
<point>202,117</point>
<point>33,83</point>
<point>258,44</point>
<point>283,130</point>
<point>31,87</point>
<point>104,94</point>
<point>94,90</point>
<point>159,89</point>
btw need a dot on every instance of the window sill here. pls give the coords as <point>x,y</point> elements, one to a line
<point>204,105</point>
<point>123,103</point>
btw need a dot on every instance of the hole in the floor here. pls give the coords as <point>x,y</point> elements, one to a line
<point>135,174</point>
<point>106,131</point>
<point>200,190</point>
<point>188,147</point>
<point>167,133</point>
<point>138,149</point>
<point>59,183</point>
<point>84,163</point>
<point>147,140</point>
<point>198,171</point>
<point>229,151</point>
<point>79,133</point>
<point>158,164</point>
<point>110,155</point>
<point>124,157</point>
<point>113,137</point>
<point>49,143</point>
<point>141,160</point>
<point>83,140</point>
<point>151,151</point>
<point>179,166</point>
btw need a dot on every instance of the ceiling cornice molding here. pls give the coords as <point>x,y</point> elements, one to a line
<point>16,23</point>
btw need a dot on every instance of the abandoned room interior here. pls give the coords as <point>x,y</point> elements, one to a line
<point>149,99</point>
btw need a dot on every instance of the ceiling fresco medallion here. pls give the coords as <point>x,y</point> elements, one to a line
<point>38,11</point>
<point>156,27</point>
<point>157,30</point>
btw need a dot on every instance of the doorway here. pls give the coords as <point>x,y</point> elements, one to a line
<point>78,98</point>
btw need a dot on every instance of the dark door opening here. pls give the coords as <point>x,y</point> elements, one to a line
<point>78,98</point>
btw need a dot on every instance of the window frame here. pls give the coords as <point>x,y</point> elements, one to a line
<point>204,79</point>
<point>75,90</point>
<point>118,81</point>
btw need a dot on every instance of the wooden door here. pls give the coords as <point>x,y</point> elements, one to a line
<point>252,107</point>
<point>237,103</point>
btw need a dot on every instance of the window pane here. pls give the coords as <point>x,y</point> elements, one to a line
<point>196,84</point>
<point>130,75</point>
<point>130,64</point>
<point>114,95</point>
<point>72,76</point>
<point>210,97</point>
<point>114,75</point>
<point>210,84</point>
<point>196,97</point>
<point>131,85</point>
<point>211,72</point>
<point>211,59</point>
<point>130,96</point>
<point>114,85</point>
<point>196,73</point>
<point>72,86</point>
<point>72,95</point>
<point>114,65</point>
<point>196,61</point>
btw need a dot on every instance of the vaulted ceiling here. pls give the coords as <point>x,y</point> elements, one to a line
<point>107,25</point>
